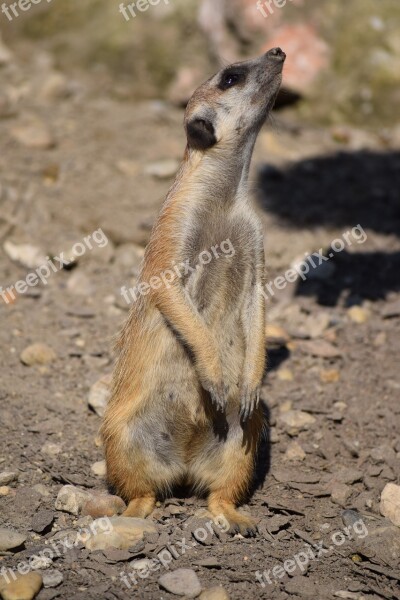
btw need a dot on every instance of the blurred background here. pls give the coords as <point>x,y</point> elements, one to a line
<point>92,98</point>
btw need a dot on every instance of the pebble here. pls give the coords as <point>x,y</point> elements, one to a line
<point>79,284</point>
<point>340,494</point>
<point>276,336</point>
<point>295,421</point>
<point>99,395</point>
<point>42,520</point>
<point>162,169</point>
<point>294,452</point>
<point>4,490</point>
<point>103,505</point>
<point>214,593</point>
<point>391,309</point>
<point>99,468</point>
<point>7,477</point>
<point>124,532</point>
<point>285,375</point>
<point>358,314</point>
<point>27,255</point>
<point>131,168</point>
<point>25,587</point>
<point>34,134</point>
<point>5,54</point>
<point>329,376</point>
<point>52,578</point>
<point>38,354</point>
<point>71,499</point>
<point>51,449</point>
<point>54,87</point>
<point>321,349</point>
<point>10,539</point>
<point>390,503</point>
<point>182,582</point>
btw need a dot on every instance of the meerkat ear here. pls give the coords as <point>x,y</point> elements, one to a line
<point>200,133</point>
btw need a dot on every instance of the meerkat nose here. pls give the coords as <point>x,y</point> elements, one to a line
<point>276,54</point>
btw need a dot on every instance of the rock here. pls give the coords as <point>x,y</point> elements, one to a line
<point>285,375</point>
<point>38,354</point>
<point>34,134</point>
<point>295,421</point>
<point>54,87</point>
<point>71,499</point>
<point>125,532</point>
<point>391,309</point>
<point>41,489</point>
<point>329,376</point>
<point>82,502</point>
<point>27,255</point>
<point>390,503</point>
<point>321,349</point>
<point>4,490</point>
<point>131,168</point>
<point>25,587</point>
<point>79,284</point>
<point>42,520</point>
<point>340,494</point>
<point>163,169</point>
<point>214,593</point>
<point>182,582</point>
<point>103,505</point>
<point>10,539</point>
<point>99,468</point>
<point>99,395</point>
<point>52,578</point>
<point>51,449</point>
<point>294,452</point>
<point>358,314</point>
<point>7,477</point>
<point>5,54</point>
<point>276,336</point>
<point>305,587</point>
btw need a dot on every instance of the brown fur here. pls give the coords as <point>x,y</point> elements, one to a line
<point>184,406</point>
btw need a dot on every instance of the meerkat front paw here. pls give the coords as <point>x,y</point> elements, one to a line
<point>249,400</point>
<point>218,393</point>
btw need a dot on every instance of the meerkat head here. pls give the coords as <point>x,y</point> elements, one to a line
<point>231,106</point>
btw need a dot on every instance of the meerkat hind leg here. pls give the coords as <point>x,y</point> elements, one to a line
<point>221,505</point>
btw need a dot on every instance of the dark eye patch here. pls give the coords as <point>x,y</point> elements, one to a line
<point>231,77</point>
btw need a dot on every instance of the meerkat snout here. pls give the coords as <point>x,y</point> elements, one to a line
<point>233,104</point>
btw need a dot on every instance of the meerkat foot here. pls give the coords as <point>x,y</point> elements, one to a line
<point>140,507</point>
<point>226,514</point>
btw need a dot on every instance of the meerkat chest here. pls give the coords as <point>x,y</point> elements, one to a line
<point>221,258</point>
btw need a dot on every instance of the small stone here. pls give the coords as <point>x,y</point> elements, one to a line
<point>41,489</point>
<point>38,354</point>
<point>79,284</point>
<point>25,587</point>
<point>99,395</point>
<point>54,87</point>
<point>52,578</point>
<point>391,309</point>
<point>390,503</point>
<point>214,593</point>
<point>102,505</point>
<point>4,490</point>
<point>329,376</point>
<point>34,134</point>
<point>51,449</point>
<point>294,452</point>
<point>99,468</point>
<point>131,168</point>
<point>358,314</point>
<point>295,421</point>
<point>10,539</point>
<point>5,53</point>
<point>285,375</point>
<point>182,582</point>
<point>340,494</point>
<point>7,477</point>
<point>163,169</point>
<point>71,499</point>
<point>27,255</point>
<point>42,520</point>
<point>320,348</point>
<point>123,533</point>
<point>276,336</point>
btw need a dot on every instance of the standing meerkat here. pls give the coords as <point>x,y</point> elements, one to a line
<point>185,400</point>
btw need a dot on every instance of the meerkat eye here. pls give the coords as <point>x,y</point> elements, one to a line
<point>230,79</point>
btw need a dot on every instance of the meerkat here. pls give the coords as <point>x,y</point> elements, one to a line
<point>184,407</point>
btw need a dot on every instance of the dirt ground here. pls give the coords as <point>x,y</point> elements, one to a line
<point>75,159</point>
